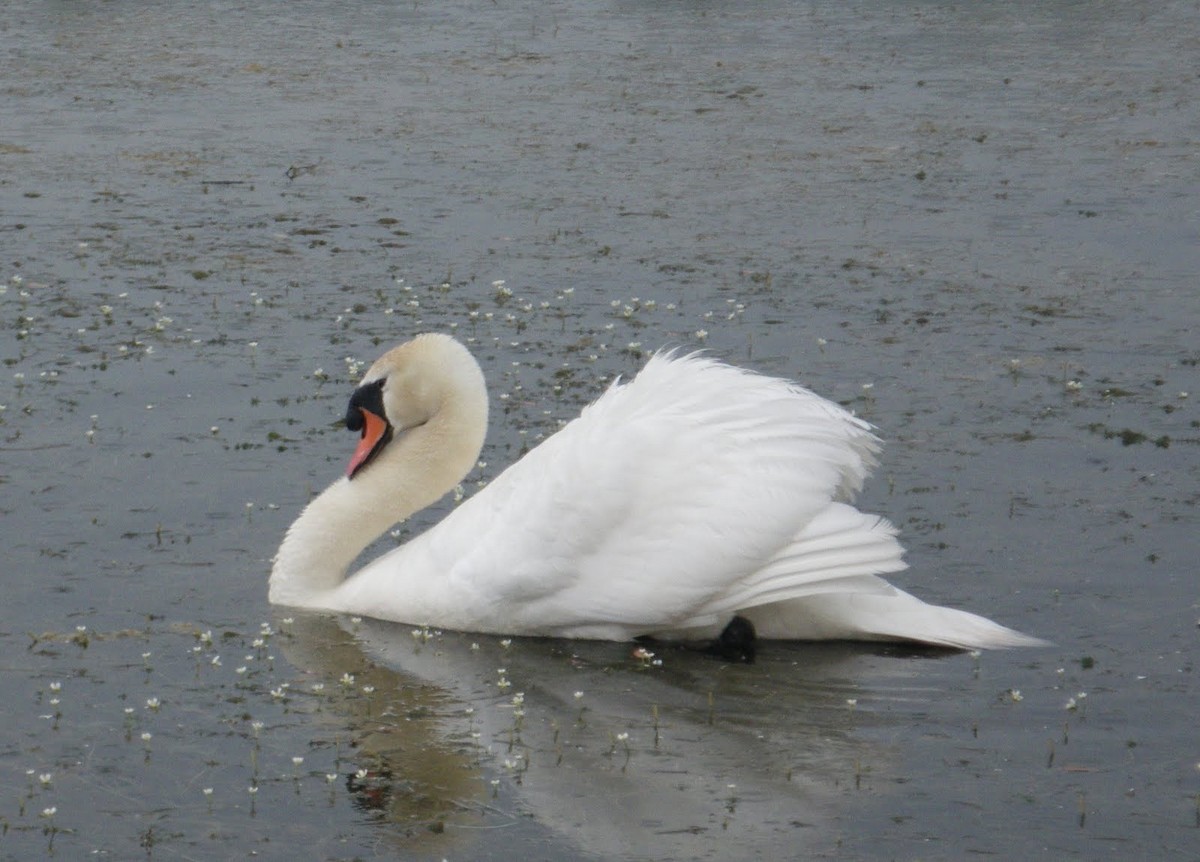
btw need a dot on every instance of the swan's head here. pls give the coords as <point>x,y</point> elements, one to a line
<point>408,387</point>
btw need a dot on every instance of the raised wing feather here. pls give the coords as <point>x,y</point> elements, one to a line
<point>648,512</point>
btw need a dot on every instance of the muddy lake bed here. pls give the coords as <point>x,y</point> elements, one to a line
<point>976,225</point>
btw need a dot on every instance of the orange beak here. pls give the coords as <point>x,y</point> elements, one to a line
<point>373,437</point>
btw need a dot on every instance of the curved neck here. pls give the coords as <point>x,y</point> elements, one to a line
<point>416,469</point>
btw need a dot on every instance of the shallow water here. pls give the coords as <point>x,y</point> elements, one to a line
<point>977,226</point>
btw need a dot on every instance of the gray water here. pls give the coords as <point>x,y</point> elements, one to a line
<point>975,224</point>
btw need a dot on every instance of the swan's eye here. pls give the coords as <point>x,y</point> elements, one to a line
<point>369,396</point>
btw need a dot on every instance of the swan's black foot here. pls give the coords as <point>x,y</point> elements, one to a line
<point>738,642</point>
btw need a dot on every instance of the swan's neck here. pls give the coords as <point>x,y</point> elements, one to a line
<point>415,470</point>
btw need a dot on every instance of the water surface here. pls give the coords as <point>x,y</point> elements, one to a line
<point>974,225</point>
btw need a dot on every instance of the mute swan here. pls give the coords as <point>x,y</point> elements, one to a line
<point>693,497</point>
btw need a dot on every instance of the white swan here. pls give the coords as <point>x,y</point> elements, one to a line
<point>693,494</point>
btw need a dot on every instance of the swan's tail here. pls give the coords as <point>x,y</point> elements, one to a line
<point>825,585</point>
<point>896,617</point>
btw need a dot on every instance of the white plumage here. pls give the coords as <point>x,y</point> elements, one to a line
<point>691,494</point>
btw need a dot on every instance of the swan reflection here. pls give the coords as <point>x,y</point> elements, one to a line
<point>605,748</point>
